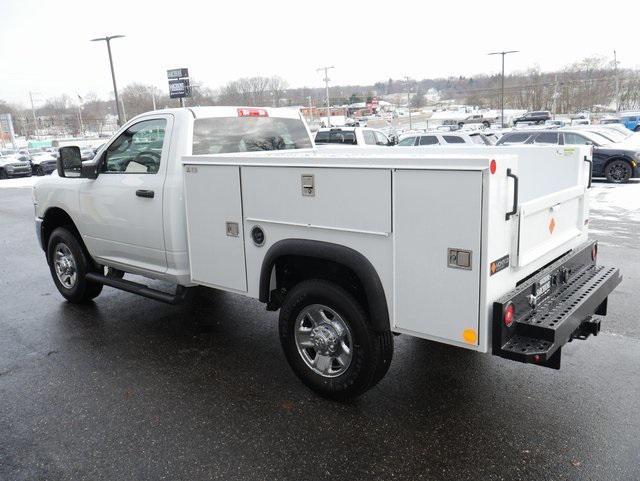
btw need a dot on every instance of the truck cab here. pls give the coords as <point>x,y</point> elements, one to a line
<point>129,207</point>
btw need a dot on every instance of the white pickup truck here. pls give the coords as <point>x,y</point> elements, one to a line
<point>476,247</point>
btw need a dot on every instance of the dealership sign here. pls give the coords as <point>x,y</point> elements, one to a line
<point>179,83</point>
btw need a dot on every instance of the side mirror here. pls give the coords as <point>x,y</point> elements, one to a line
<point>69,161</point>
<point>70,164</point>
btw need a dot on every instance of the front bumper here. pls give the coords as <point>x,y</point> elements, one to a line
<point>575,289</point>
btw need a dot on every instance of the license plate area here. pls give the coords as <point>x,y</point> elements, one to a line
<point>542,287</point>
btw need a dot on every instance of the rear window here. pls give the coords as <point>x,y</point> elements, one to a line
<point>347,137</point>
<point>477,139</point>
<point>453,139</point>
<point>223,135</point>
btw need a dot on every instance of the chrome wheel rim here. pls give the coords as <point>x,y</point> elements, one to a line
<point>65,266</point>
<point>323,340</point>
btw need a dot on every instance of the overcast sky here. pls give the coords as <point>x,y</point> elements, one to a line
<point>45,48</point>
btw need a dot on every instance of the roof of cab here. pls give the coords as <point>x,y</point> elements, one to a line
<point>230,111</point>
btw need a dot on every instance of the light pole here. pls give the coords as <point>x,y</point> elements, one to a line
<point>113,75</point>
<point>502,89</point>
<point>326,83</point>
<point>406,80</point>
<point>615,66</point>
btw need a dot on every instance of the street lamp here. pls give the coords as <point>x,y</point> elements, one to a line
<point>502,102</point>
<point>326,83</point>
<point>113,75</point>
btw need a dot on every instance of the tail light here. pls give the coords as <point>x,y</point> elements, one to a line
<point>508,314</point>
<point>246,112</point>
<point>492,167</point>
<point>594,252</point>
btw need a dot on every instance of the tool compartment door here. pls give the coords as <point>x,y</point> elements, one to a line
<point>214,225</point>
<point>436,211</point>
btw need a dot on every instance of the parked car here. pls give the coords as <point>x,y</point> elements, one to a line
<point>631,120</point>
<point>556,123</point>
<point>87,154</point>
<point>351,136</point>
<point>537,117</point>
<point>617,161</point>
<point>12,166</point>
<point>43,163</point>
<point>443,138</point>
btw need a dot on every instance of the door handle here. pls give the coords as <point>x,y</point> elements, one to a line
<point>145,193</point>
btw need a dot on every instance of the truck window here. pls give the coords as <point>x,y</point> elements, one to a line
<point>575,139</point>
<point>222,135</point>
<point>369,137</point>
<point>381,139</point>
<point>137,150</point>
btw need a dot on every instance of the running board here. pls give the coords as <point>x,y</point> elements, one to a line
<point>177,298</point>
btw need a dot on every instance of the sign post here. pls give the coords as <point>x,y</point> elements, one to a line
<point>179,87</point>
<point>6,128</point>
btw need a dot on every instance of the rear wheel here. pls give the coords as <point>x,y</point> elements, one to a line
<point>3,174</point>
<point>69,265</point>
<point>329,343</point>
<point>618,171</point>
<point>39,171</point>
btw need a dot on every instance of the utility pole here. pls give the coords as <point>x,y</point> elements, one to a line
<point>33,112</point>
<point>113,75</point>
<point>310,108</point>
<point>406,81</point>
<point>615,66</point>
<point>153,98</point>
<point>326,83</point>
<point>80,117</point>
<point>502,81</point>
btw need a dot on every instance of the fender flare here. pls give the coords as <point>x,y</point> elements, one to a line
<point>350,258</point>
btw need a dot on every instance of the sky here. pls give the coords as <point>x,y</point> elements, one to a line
<point>45,45</point>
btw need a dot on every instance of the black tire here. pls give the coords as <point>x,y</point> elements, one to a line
<point>618,171</point>
<point>81,290</point>
<point>371,350</point>
<point>3,174</point>
<point>637,129</point>
<point>39,171</point>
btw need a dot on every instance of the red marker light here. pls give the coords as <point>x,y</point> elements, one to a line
<point>492,167</point>
<point>246,112</point>
<point>507,315</point>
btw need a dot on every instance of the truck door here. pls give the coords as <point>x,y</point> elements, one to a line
<point>121,210</point>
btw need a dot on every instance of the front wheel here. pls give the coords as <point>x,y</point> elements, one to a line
<point>69,265</point>
<point>618,171</point>
<point>329,343</point>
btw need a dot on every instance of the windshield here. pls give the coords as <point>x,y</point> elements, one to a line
<point>223,135</point>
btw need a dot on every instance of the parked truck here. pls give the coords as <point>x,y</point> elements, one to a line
<point>473,247</point>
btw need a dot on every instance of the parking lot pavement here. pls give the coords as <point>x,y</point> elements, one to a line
<point>128,388</point>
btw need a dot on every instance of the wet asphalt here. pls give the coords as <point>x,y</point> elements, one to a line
<point>131,389</point>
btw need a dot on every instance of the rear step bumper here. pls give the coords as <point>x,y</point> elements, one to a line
<point>553,308</point>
